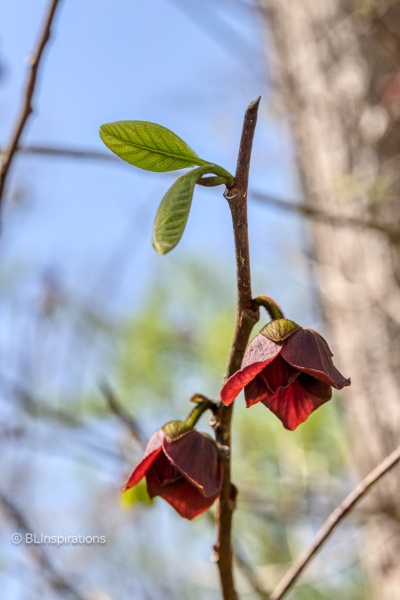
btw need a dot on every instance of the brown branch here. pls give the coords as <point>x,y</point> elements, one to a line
<point>334,519</point>
<point>247,316</point>
<point>56,581</point>
<point>26,108</point>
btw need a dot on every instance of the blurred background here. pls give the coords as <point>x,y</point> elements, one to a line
<point>100,336</point>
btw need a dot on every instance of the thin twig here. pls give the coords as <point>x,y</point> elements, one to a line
<point>247,316</point>
<point>27,108</point>
<point>334,519</point>
<point>57,581</point>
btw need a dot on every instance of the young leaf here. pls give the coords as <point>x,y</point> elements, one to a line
<point>173,212</point>
<point>148,146</point>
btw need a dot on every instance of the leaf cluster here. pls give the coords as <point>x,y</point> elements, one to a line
<point>153,147</point>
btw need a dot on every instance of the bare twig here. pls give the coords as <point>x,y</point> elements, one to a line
<point>57,581</point>
<point>334,519</point>
<point>247,316</point>
<point>27,108</point>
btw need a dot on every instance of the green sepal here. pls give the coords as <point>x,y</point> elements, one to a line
<point>176,429</point>
<point>279,330</point>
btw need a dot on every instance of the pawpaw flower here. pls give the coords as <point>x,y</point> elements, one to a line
<point>182,466</point>
<point>287,368</point>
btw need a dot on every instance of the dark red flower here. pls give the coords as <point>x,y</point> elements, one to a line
<point>291,377</point>
<point>184,470</point>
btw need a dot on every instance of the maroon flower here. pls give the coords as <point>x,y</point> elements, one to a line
<point>292,377</point>
<point>183,469</point>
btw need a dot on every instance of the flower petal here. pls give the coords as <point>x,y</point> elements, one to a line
<point>256,391</point>
<point>161,475</point>
<point>293,405</point>
<point>259,353</point>
<point>153,449</point>
<point>196,457</point>
<point>315,387</point>
<point>187,500</point>
<point>141,469</point>
<point>278,374</point>
<point>307,351</point>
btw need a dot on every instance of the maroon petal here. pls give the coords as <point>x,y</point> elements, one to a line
<point>161,475</point>
<point>153,449</point>
<point>315,387</point>
<point>278,374</point>
<point>259,353</point>
<point>187,500</point>
<point>141,469</point>
<point>293,405</point>
<point>256,391</point>
<point>307,351</point>
<point>196,457</point>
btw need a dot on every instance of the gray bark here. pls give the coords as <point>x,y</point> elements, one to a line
<point>339,79</point>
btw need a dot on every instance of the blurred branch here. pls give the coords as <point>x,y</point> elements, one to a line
<point>317,214</point>
<point>64,152</point>
<point>119,411</point>
<point>334,519</point>
<point>280,203</point>
<point>249,574</point>
<point>56,581</point>
<point>27,108</point>
<point>243,565</point>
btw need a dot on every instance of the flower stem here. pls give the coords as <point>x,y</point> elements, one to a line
<point>196,413</point>
<point>247,316</point>
<point>272,308</point>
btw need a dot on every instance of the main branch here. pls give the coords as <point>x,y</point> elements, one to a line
<point>247,316</point>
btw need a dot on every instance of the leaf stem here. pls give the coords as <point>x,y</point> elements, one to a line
<point>247,316</point>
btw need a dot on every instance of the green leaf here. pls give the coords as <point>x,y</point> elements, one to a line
<point>173,212</point>
<point>148,146</point>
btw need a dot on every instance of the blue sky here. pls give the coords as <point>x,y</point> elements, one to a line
<point>192,70</point>
<point>190,65</point>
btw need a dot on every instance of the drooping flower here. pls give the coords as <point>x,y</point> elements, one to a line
<point>182,466</point>
<point>287,368</point>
